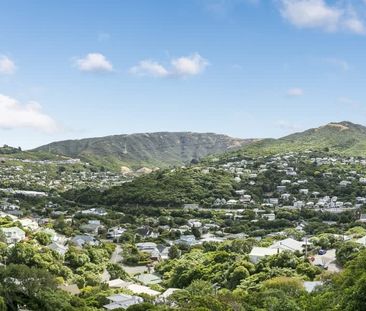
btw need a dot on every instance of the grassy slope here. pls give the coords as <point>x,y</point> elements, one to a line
<point>151,150</point>
<point>342,138</point>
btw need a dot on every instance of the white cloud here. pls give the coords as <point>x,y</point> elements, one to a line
<point>354,24</point>
<point>340,63</point>
<point>16,115</point>
<point>319,14</point>
<point>149,68</point>
<point>295,92</point>
<point>189,65</point>
<point>184,66</point>
<point>7,66</point>
<point>94,62</point>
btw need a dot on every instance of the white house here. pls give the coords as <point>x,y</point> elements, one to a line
<point>187,240</point>
<point>141,289</point>
<point>258,253</point>
<point>115,232</point>
<point>13,234</point>
<point>288,244</point>
<point>194,223</point>
<point>95,211</point>
<point>29,223</point>
<point>269,217</point>
<point>361,241</point>
<point>304,191</point>
<point>232,202</point>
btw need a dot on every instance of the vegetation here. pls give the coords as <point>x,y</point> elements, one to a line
<point>150,150</point>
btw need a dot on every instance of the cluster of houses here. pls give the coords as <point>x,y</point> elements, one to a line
<point>29,174</point>
<point>295,189</point>
<point>292,189</point>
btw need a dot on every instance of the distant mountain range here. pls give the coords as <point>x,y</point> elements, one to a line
<point>145,150</point>
<point>166,149</point>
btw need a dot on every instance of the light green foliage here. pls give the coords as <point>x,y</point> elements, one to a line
<point>43,238</point>
<point>347,251</point>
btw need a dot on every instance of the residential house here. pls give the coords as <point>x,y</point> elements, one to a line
<point>361,241</point>
<point>289,244</point>
<point>114,233</point>
<point>148,278</point>
<point>81,240</point>
<point>58,248</point>
<point>29,224</point>
<point>141,289</point>
<point>146,232</point>
<point>150,248</point>
<point>95,211</point>
<point>269,217</point>
<point>189,240</point>
<point>122,301</point>
<point>91,227</point>
<point>13,235</point>
<point>164,296</point>
<point>193,223</point>
<point>258,253</point>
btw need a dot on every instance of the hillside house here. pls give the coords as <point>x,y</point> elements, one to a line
<point>13,235</point>
<point>289,244</point>
<point>189,240</point>
<point>258,253</point>
<point>114,233</point>
<point>29,224</point>
<point>58,248</point>
<point>122,301</point>
<point>82,240</point>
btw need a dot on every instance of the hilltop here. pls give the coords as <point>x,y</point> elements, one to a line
<point>343,138</point>
<point>161,149</point>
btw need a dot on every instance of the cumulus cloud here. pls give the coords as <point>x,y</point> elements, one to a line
<point>7,66</point>
<point>320,14</point>
<point>149,68</point>
<point>184,66</point>
<point>16,115</point>
<point>94,62</point>
<point>295,92</point>
<point>189,65</point>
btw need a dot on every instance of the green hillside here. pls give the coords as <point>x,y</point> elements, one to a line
<point>206,181</point>
<point>147,149</point>
<point>344,138</point>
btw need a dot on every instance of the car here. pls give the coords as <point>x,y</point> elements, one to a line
<point>322,252</point>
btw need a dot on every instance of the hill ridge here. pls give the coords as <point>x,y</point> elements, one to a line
<point>160,149</point>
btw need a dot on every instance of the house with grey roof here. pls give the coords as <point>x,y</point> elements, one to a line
<point>82,240</point>
<point>118,301</point>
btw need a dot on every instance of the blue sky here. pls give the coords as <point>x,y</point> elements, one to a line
<point>246,68</point>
